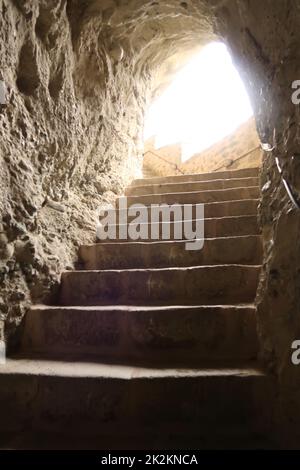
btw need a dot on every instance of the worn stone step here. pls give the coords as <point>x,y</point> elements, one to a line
<point>202,284</point>
<point>195,197</point>
<point>178,335</point>
<point>191,186</point>
<point>217,227</point>
<point>230,250</point>
<point>83,398</point>
<point>244,173</point>
<point>244,207</point>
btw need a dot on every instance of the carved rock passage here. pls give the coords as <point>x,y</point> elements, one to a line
<point>78,76</point>
<point>177,328</point>
<point>266,51</point>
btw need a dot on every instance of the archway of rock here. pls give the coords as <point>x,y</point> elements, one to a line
<point>203,121</point>
<point>80,76</point>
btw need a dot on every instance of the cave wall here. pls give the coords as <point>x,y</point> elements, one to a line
<point>265,43</point>
<point>240,149</point>
<point>164,161</point>
<point>68,135</point>
<point>79,74</point>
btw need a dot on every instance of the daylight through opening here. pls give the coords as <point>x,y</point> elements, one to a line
<point>205,102</point>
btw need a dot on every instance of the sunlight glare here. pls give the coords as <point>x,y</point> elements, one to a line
<point>206,101</point>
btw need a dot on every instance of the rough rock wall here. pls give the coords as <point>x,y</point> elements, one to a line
<point>241,149</point>
<point>265,42</point>
<point>79,74</point>
<point>164,161</point>
<point>62,147</point>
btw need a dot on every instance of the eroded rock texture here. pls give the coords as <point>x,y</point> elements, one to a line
<point>79,75</point>
<point>264,39</point>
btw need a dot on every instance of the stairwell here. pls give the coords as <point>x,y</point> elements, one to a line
<point>150,344</point>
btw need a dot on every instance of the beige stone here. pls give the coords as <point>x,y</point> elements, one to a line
<point>73,124</point>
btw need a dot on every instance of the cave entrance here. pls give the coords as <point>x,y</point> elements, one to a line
<point>203,121</point>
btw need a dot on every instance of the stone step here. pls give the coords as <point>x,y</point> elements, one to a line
<point>218,227</point>
<point>179,335</point>
<point>191,186</point>
<point>195,197</point>
<point>230,250</point>
<point>85,399</point>
<point>202,285</point>
<point>245,173</point>
<point>243,207</point>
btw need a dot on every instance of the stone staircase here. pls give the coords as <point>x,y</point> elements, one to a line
<point>150,345</point>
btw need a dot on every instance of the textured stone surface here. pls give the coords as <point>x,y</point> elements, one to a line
<point>204,284</point>
<point>112,401</point>
<point>163,161</point>
<point>78,75</point>
<point>212,210</point>
<point>265,43</point>
<point>188,317</point>
<point>189,187</point>
<point>196,335</point>
<point>195,197</point>
<point>235,250</point>
<point>240,149</point>
<point>235,226</point>
<point>201,177</point>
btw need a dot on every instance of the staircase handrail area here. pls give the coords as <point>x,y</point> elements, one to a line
<point>165,160</point>
<point>293,198</point>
